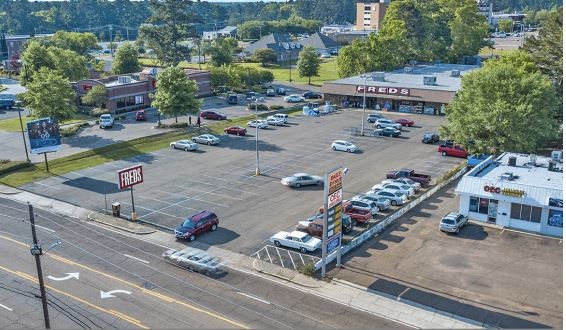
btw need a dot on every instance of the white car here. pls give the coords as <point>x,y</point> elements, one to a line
<point>184,145</point>
<point>382,123</point>
<point>381,202</point>
<point>296,240</point>
<point>364,204</point>
<point>294,98</point>
<point>324,55</point>
<point>403,188</point>
<point>274,121</point>
<point>106,120</point>
<point>396,197</point>
<point>302,179</point>
<point>258,123</point>
<point>206,139</point>
<point>453,222</point>
<point>415,185</point>
<point>283,116</point>
<point>344,146</point>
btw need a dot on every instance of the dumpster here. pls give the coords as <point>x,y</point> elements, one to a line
<point>116,209</point>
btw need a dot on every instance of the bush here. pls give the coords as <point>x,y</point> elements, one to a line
<point>276,107</point>
<point>175,125</point>
<point>259,107</point>
<point>97,112</point>
<point>70,130</point>
<point>7,165</point>
<point>307,269</point>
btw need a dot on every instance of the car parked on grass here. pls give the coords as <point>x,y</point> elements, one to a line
<point>415,185</point>
<point>430,138</point>
<point>296,240</point>
<point>453,222</point>
<point>106,121</point>
<point>453,150</point>
<point>342,145</point>
<point>382,123</point>
<point>302,179</point>
<point>186,145</point>
<point>312,95</point>
<point>236,130</point>
<point>274,121</point>
<point>405,122</point>
<point>212,115</point>
<point>141,115</point>
<point>396,197</point>
<point>373,117</point>
<point>270,92</point>
<point>195,260</point>
<point>258,123</point>
<point>294,99</point>
<point>196,225</point>
<point>387,131</point>
<point>206,139</point>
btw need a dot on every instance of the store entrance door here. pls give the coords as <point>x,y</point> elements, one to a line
<point>492,210</point>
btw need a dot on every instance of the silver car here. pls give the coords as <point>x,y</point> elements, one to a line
<point>415,185</point>
<point>302,179</point>
<point>364,204</point>
<point>404,188</point>
<point>453,222</point>
<point>396,197</point>
<point>381,202</point>
<point>184,145</point>
<point>206,139</point>
<point>382,122</point>
<point>195,260</point>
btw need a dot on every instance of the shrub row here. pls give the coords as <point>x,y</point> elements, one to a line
<point>259,107</point>
<point>97,112</point>
<point>7,166</point>
<point>175,125</point>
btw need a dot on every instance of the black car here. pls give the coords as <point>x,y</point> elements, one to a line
<point>312,95</point>
<point>232,99</point>
<point>431,138</point>
<point>387,131</point>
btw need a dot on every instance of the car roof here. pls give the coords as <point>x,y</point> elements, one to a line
<point>301,174</point>
<point>196,217</point>
<point>451,215</point>
<point>298,234</point>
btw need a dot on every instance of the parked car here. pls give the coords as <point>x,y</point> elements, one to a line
<point>423,179</point>
<point>475,160</point>
<point>283,116</point>
<point>359,216</point>
<point>212,115</point>
<point>453,150</point>
<point>334,52</point>
<point>141,116</point>
<point>236,130</point>
<point>281,91</point>
<point>453,222</point>
<point>294,99</point>
<point>312,95</point>
<point>296,240</point>
<point>184,145</point>
<point>206,139</point>
<point>302,179</point>
<point>251,95</point>
<point>344,146</point>
<point>364,204</point>
<point>232,98</point>
<point>105,121</point>
<point>258,123</point>
<point>396,197</point>
<point>373,117</point>
<point>7,103</point>
<point>404,188</point>
<point>195,260</point>
<point>196,225</point>
<point>381,202</point>
<point>325,55</point>
<point>415,185</point>
<point>430,138</point>
<point>405,122</point>
<point>380,205</point>
<point>274,121</point>
<point>270,92</point>
<point>382,123</point>
<point>347,224</point>
<point>387,131</point>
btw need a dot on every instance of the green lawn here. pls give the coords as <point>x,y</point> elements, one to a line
<point>13,124</point>
<point>486,51</point>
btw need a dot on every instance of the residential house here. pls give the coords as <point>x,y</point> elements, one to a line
<point>322,43</point>
<point>227,32</point>
<point>280,43</point>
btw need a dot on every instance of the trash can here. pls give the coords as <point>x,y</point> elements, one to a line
<point>116,209</point>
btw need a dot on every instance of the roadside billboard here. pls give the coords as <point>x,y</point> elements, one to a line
<point>334,214</point>
<point>128,177</point>
<point>44,135</point>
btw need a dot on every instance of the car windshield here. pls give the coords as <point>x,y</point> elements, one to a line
<point>448,221</point>
<point>347,144</point>
<point>406,187</point>
<point>398,194</point>
<point>428,135</point>
<point>189,224</point>
<point>306,238</point>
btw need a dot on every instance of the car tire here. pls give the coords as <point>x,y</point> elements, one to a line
<point>205,272</point>
<point>334,148</point>
<point>303,250</point>
<point>194,140</point>
<point>277,243</point>
<point>186,149</point>
<point>394,203</point>
<point>350,150</point>
<point>208,143</point>
<point>192,238</point>
<point>241,134</point>
<point>191,268</point>
<point>444,153</point>
<point>172,146</point>
<point>214,227</point>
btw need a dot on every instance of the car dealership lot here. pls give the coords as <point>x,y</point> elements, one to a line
<point>221,178</point>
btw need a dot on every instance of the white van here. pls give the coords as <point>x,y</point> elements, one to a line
<point>282,116</point>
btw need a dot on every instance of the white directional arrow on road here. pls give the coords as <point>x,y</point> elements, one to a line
<point>69,276</point>
<point>109,293</point>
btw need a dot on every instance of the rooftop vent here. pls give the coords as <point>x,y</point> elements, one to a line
<point>429,80</point>
<point>455,73</point>
<point>512,161</point>
<point>508,176</point>
<point>408,69</point>
<point>124,79</point>
<point>378,76</point>
<point>556,155</point>
<point>551,165</point>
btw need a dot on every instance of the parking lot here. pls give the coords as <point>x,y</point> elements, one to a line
<point>501,278</point>
<point>250,208</point>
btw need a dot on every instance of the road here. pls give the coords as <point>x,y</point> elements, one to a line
<point>158,294</point>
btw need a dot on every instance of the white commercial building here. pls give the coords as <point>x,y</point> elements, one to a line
<point>515,191</point>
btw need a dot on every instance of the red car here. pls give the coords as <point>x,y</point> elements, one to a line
<point>213,115</point>
<point>236,130</point>
<point>405,122</point>
<point>140,115</point>
<point>453,150</point>
<point>197,224</point>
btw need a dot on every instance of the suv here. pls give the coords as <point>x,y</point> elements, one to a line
<point>105,120</point>
<point>382,123</point>
<point>453,222</point>
<point>364,204</point>
<point>373,117</point>
<point>197,224</point>
<point>232,98</point>
<point>281,116</point>
<point>212,115</point>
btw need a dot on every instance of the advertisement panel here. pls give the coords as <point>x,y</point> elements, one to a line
<point>334,220</point>
<point>333,243</point>
<point>44,135</point>
<point>130,176</point>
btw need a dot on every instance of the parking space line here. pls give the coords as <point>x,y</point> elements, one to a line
<point>164,202</point>
<point>152,211</point>
<point>223,186</point>
<point>292,261</point>
<point>45,185</point>
<point>280,259</point>
<point>268,255</point>
<point>229,180</point>
<point>203,191</point>
<point>204,200</point>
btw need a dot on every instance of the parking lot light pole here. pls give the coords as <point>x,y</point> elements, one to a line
<point>364,105</point>
<point>257,170</point>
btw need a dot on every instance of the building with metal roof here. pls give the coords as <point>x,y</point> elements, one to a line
<point>280,43</point>
<point>515,191</point>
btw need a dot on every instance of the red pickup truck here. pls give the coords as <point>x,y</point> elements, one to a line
<point>423,179</point>
<point>453,150</point>
<point>359,216</point>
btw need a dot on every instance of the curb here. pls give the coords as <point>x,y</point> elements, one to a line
<point>118,227</point>
<point>281,277</point>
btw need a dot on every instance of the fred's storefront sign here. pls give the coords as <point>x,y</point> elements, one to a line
<point>504,191</point>
<point>384,90</point>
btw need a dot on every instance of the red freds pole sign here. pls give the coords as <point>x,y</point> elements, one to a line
<point>130,176</point>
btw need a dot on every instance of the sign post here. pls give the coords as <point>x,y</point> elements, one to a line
<point>128,178</point>
<point>332,224</point>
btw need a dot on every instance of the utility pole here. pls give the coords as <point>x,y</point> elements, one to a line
<point>111,52</point>
<point>36,251</point>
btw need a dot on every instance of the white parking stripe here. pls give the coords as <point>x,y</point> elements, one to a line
<point>6,307</point>
<point>164,202</point>
<point>153,211</point>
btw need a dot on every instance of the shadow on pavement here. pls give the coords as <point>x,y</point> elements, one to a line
<point>247,142</point>
<point>94,185</point>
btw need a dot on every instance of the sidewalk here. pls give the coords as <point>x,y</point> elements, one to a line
<point>392,308</point>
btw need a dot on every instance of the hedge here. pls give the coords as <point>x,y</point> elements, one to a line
<point>175,125</point>
<point>7,165</point>
<point>276,107</point>
<point>259,107</point>
<point>97,112</point>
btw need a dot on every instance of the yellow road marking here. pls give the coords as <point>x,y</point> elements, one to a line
<point>111,312</point>
<point>144,290</point>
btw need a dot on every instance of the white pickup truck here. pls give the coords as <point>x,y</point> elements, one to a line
<point>296,240</point>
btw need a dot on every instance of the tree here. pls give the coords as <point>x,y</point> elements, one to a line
<point>505,25</point>
<point>516,115</point>
<point>264,56</point>
<point>80,43</point>
<point>50,95</point>
<point>166,28</point>
<point>96,96</point>
<point>352,59</point>
<point>309,63</point>
<point>176,93</point>
<point>126,59</point>
<point>35,56</point>
<point>69,64</point>
<point>220,53</point>
<point>468,30</point>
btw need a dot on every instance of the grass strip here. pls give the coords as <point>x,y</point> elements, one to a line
<point>13,124</point>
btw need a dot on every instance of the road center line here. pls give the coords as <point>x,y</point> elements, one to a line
<point>255,298</point>
<point>138,259</point>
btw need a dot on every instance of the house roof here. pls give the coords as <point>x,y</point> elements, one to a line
<point>319,41</point>
<point>228,29</point>
<point>278,42</point>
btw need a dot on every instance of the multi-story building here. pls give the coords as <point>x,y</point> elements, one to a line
<point>369,16</point>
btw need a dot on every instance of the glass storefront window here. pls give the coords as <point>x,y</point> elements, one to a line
<point>474,201</point>
<point>484,203</point>
<point>526,212</point>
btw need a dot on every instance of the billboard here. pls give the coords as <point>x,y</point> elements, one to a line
<point>130,176</point>
<point>334,216</point>
<point>44,135</point>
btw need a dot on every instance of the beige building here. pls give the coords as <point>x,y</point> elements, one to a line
<point>369,16</point>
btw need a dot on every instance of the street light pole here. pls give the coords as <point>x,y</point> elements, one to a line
<point>290,66</point>
<point>257,170</point>
<point>364,105</point>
